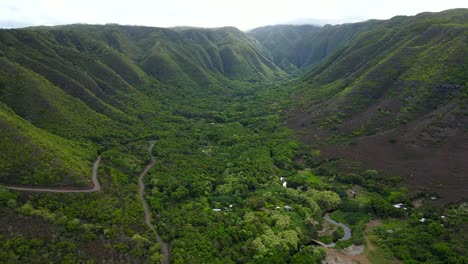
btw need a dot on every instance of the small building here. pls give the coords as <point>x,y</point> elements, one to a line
<point>399,205</point>
<point>287,208</point>
<point>216,209</point>
<point>422,220</point>
<point>285,184</point>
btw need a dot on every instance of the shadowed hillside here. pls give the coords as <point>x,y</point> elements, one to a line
<point>297,49</point>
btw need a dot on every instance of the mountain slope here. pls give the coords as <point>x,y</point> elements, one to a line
<point>102,84</point>
<point>197,55</point>
<point>399,94</point>
<point>232,53</point>
<point>32,156</point>
<point>297,49</point>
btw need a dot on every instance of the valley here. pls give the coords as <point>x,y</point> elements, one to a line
<point>223,146</point>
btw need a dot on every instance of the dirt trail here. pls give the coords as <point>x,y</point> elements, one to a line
<point>141,193</point>
<point>96,184</point>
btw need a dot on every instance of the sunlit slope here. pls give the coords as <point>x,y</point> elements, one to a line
<point>194,56</point>
<point>31,156</point>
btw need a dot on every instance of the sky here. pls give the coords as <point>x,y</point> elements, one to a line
<point>243,14</point>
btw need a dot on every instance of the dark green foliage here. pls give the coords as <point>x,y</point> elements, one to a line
<point>434,241</point>
<point>7,197</point>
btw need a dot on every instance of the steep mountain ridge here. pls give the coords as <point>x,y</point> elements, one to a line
<point>399,93</point>
<point>299,48</point>
<point>103,83</point>
<point>195,54</point>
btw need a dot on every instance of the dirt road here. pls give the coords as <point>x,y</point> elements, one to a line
<point>96,184</point>
<point>347,231</point>
<point>97,188</point>
<point>141,193</point>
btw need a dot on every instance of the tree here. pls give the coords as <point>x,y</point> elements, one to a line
<point>327,200</point>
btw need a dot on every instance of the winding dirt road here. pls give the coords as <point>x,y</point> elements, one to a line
<point>347,231</point>
<point>96,184</point>
<point>97,188</point>
<point>141,193</point>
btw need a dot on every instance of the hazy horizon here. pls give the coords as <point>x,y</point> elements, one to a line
<point>242,14</point>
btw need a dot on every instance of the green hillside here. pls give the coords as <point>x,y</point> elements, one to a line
<point>93,82</point>
<point>32,156</point>
<point>195,56</point>
<point>297,49</point>
<point>400,88</point>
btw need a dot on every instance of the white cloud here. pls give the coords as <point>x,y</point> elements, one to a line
<point>244,14</point>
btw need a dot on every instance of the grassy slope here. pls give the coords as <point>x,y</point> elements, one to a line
<point>32,156</point>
